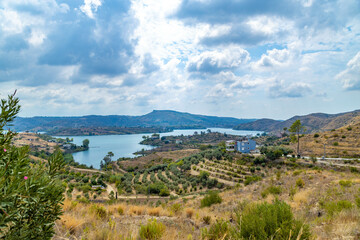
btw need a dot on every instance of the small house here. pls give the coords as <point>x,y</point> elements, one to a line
<point>245,146</point>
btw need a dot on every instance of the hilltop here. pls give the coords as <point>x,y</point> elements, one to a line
<point>157,118</point>
<point>313,122</point>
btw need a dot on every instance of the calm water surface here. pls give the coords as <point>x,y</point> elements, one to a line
<point>126,145</point>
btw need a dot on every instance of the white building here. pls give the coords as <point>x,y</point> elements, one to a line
<point>230,145</point>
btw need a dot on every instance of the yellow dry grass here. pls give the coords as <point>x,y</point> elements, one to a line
<point>72,223</point>
<point>137,210</point>
<point>300,198</point>
<point>154,211</point>
<point>189,212</point>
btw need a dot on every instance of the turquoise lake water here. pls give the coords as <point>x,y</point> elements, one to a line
<point>126,145</point>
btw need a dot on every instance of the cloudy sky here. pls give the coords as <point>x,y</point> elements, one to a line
<point>238,58</point>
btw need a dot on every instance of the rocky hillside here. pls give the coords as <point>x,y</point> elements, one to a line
<point>314,122</point>
<point>341,142</point>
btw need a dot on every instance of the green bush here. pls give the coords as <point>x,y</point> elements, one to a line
<point>300,183</point>
<point>30,196</point>
<point>164,192</point>
<point>334,207</point>
<point>176,208</point>
<point>219,230</point>
<point>345,183</point>
<point>269,221</point>
<point>211,198</point>
<point>152,230</point>
<point>251,179</point>
<point>271,190</point>
<point>336,144</point>
<point>316,135</point>
<point>98,211</point>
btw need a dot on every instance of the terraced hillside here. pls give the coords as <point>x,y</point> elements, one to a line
<point>196,173</point>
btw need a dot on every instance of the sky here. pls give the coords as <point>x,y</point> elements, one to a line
<point>236,58</point>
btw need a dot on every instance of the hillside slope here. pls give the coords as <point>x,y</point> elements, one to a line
<point>341,142</point>
<point>313,122</point>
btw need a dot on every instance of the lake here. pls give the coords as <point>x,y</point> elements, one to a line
<point>126,145</point>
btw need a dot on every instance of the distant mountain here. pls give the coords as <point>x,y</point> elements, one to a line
<point>313,122</point>
<point>157,118</point>
<point>263,124</point>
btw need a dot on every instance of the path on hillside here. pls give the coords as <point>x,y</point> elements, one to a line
<point>118,168</point>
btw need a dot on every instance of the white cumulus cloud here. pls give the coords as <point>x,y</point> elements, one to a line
<point>350,77</point>
<point>89,7</point>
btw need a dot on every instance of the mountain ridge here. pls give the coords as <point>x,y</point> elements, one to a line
<point>313,122</point>
<point>156,118</point>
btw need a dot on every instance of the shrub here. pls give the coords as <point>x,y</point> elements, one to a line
<point>269,221</point>
<point>98,211</point>
<point>211,198</point>
<point>189,212</point>
<point>345,183</point>
<point>292,192</point>
<point>333,207</point>
<point>164,192</point>
<point>152,230</point>
<point>251,179</point>
<point>316,135</point>
<point>120,210</point>
<point>219,230</point>
<point>271,190</point>
<point>176,208</point>
<point>207,220</point>
<point>30,194</point>
<point>336,144</point>
<point>300,183</point>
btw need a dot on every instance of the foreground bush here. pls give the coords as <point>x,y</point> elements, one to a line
<point>211,198</point>
<point>152,230</point>
<point>269,221</point>
<point>30,196</point>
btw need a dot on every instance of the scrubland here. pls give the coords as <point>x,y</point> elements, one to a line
<point>326,200</point>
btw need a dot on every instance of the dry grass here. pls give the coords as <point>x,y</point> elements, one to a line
<point>189,212</point>
<point>301,198</point>
<point>137,210</point>
<point>73,224</point>
<point>154,211</point>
